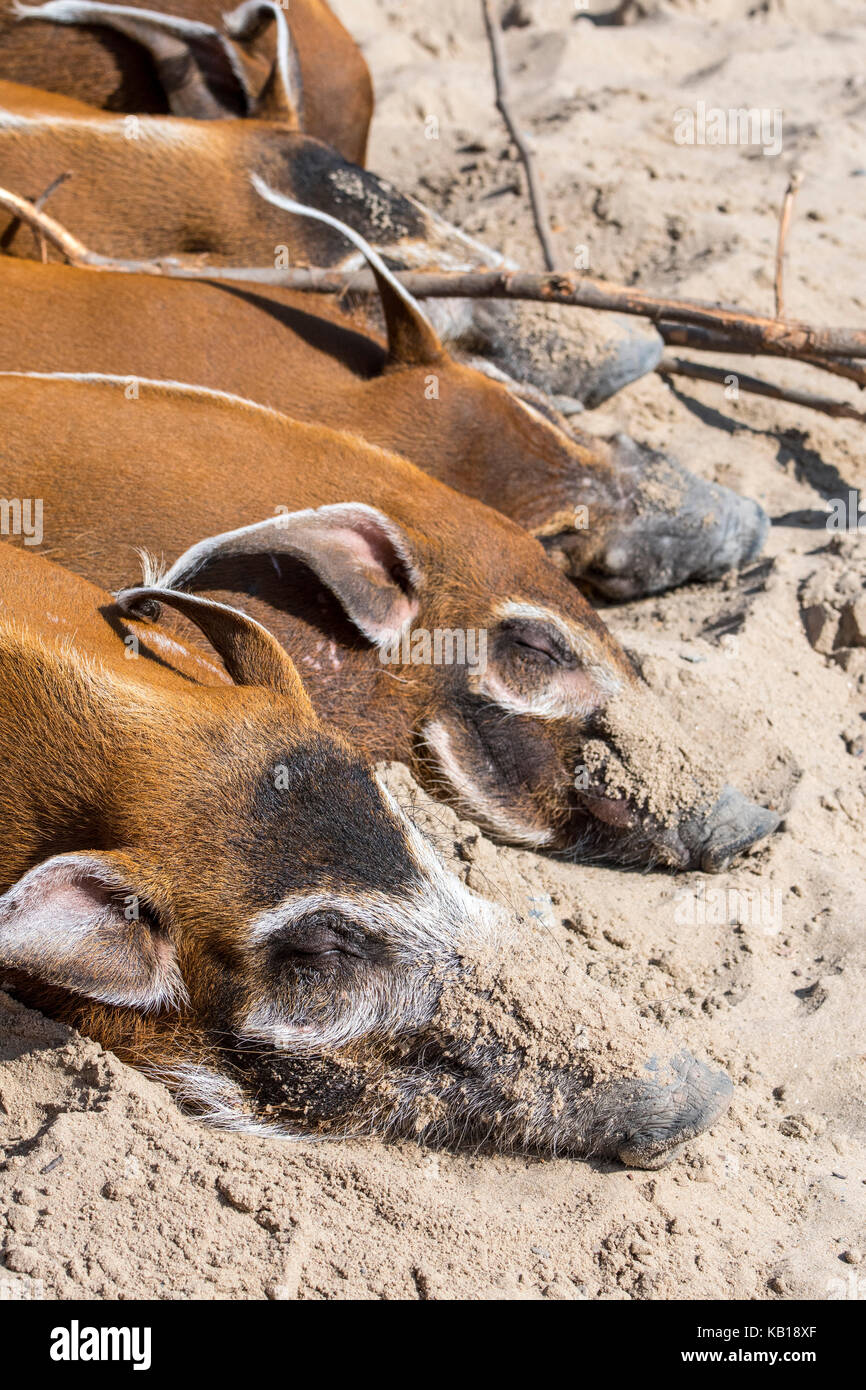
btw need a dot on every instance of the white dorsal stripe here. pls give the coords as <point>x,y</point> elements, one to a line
<point>128,379</point>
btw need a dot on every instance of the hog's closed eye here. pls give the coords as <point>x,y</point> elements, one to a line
<point>535,643</point>
<point>320,934</point>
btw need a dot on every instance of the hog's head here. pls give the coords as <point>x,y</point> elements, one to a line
<point>509,696</point>
<point>611,512</point>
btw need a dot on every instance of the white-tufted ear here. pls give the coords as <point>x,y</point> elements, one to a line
<point>76,921</point>
<point>363,557</point>
<point>412,339</point>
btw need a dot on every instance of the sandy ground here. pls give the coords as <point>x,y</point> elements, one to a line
<point>108,1191</point>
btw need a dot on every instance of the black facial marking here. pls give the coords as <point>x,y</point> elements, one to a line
<point>367,204</point>
<point>316,820</point>
<point>513,751</point>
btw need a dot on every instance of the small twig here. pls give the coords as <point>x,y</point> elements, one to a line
<point>52,188</point>
<point>753,333</point>
<point>40,203</point>
<point>503,102</point>
<point>69,246</point>
<point>794,183</point>
<point>676,366</point>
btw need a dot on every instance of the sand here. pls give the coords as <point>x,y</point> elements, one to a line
<point>108,1191</point>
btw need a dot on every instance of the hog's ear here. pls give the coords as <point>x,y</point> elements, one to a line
<point>250,654</point>
<point>276,101</point>
<point>412,340</point>
<point>77,921</point>
<point>200,72</point>
<point>362,556</point>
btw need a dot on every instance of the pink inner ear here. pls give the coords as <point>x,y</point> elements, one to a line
<point>372,552</point>
<point>71,903</point>
<point>373,547</point>
<point>52,903</point>
<point>65,923</point>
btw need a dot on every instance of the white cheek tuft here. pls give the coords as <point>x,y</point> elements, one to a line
<point>472,800</point>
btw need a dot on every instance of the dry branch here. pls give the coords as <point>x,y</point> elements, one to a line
<point>503,102</point>
<point>699,371</point>
<point>753,332</point>
<point>69,246</point>
<point>710,340</point>
<point>40,203</point>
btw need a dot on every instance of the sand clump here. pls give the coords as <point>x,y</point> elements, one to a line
<point>657,765</point>
<point>108,1191</point>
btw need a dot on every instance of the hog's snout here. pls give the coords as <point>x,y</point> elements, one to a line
<point>653,1116</point>
<point>731,826</point>
<point>681,528</point>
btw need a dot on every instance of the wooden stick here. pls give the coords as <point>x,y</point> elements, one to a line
<point>709,340</point>
<point>40,203</point>
<point>676,366</point>
<point>753,333</point>
<point>784,222</point>
<point>503,102</point>
<point>69,246</point>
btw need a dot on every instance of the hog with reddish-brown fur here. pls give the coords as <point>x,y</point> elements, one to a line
<point>212,883</point>
<point>579,356</point>
<point>296,64</point>
<point>186,187</point>
<point>531,718</point>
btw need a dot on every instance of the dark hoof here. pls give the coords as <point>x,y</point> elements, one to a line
<point>679,528</point>
<point>665,1110</point>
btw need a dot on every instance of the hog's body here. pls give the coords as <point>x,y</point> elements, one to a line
<point>161,187</point>
<point>625,519</point>
<point>78,50</point>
